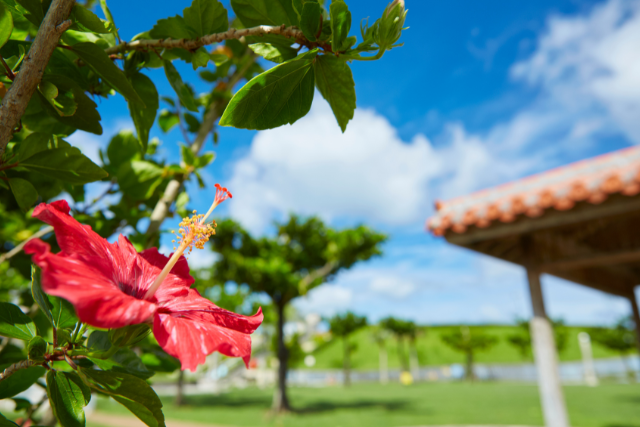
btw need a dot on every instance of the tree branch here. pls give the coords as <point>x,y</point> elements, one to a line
<point>12,369</point>
<point>48,229</point>
<point>317,274</point>
<point>161,209</point>
<point>26,81</point>
<point>193,44</point>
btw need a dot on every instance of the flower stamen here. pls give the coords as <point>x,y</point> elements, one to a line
<point>193,232</point>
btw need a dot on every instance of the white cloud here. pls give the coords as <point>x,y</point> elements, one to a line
<point>591,62</point>
<point>326,300</point>
<point>312,168</point>
<point>366,173</point>
<point>394,287</point>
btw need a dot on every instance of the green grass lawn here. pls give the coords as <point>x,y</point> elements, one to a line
<point>432,351</point>
<point>374,405</point>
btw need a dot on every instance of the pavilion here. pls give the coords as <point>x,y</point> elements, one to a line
<point>580,222</point>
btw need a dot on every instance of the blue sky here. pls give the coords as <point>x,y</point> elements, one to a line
<point>480,94</point>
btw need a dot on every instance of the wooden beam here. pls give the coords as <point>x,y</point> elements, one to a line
<point>544,348</point>
<point>592,260</point>
<point>615,205</point>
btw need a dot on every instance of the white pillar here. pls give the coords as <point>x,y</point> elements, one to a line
<point>546,356</point>
<point>590,376</point>
<point>636,316</point>
<point>384,369</point>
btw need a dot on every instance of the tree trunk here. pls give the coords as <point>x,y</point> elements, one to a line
<point>384,366</point>
<point>180,389</point>
<point>346,363</point>
<point>413,360</point>
<point>401,355</point>
<point>469,369</point>
<point>280,399</point>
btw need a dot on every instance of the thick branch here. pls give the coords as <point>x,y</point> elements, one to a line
<point>323,271</point>
<point>15,101</point>
<point>48,229</point>
<point>193,44</point>
<point>161,209</point>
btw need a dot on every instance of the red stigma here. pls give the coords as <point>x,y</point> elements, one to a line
<point>222,194</point>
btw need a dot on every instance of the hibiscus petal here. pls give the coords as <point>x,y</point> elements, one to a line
<point>192,327</point>
<point>97,299</point>
<point>191,341</point>
<point>72,236</point>
<point>198,307</point>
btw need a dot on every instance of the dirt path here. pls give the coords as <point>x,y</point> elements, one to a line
<point>108,420</point>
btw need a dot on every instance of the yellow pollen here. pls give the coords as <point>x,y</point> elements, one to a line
<point>193,232</point>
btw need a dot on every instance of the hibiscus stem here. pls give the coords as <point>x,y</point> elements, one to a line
<point>55,337</point>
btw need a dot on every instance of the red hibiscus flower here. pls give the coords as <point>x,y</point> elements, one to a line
<point>111,285</point>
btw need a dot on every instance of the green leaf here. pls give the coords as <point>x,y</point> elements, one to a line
<point>167,120</point>
<point>62,102</point>
<point>206,17</point>
<point>68,396</point>
<point>173,27</point>
<point>265,12</point>
<point>36,349</point>
<point>181,204</point>
<point>107,14</point>
<point>86,116</point>
<point>14,323</point>
<point>218,58</point>
<point>340,24</point>
<point>183,92</point>
<point>204,160</point>
<point>96,58</point>
<point>20,381</point>
<point>125,361</point>
<point>6,24</point>
<point>143,118</point>
<point>33,144</point>
<point>158,360</point>
<point>274,52</point>
<point>130,391</point>
<point>67,164</point>
<point>187,155</point>
<point>122,148</point>
<point>34,7</point>
<point>193,124</point>
<point>311,19</point>
<point>139,179</point>
<point>24,192</point>
<point>335,82</point>
<point>274,98</point>
<point>6,423</point>
<point>99,341</point>
<point>59,311</point>
<point>200,58</point>
<point>89,20</point>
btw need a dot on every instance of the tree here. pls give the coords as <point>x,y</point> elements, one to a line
<point>521,339</point>
<point>380,336</point>
<point>469,341</point>
<point>56,58</point>
<point>403,330</point>
<point>621,338</point>
<point>344,326</point>
<point>301,256</point>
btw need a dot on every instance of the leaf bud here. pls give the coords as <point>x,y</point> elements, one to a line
<point>391,24</point>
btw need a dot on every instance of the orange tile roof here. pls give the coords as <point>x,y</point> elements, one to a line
<point>591,180</point>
